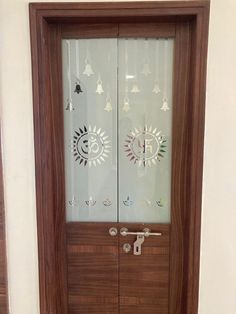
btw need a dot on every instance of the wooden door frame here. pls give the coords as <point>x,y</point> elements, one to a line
<point>44,18</point>
<point>3,255</point>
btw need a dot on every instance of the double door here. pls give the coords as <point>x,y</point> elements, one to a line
<point>120,151</point>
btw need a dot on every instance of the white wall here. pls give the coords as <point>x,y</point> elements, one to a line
<point>218,262</point>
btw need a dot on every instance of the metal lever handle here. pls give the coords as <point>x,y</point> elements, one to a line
<point>146,232</point>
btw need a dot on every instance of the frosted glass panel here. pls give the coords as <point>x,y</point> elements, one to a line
<point>90,128</point>
<point>118,94</point>
<point>145,125</point>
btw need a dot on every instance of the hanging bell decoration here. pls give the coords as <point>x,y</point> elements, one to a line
<point>69,106</point>
<point>146,69</point>
<point>108,107</point>
<point>135,89</point>
<point>99,89</point>
<point>165,105</point>
<point>88,69</point>
<point>156,89</point>
<point>126,106</point>
<point>78,88</point>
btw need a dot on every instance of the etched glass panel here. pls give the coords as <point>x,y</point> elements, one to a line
<point>90,128</point>
<point>129,81</point>
<point>145,126</point>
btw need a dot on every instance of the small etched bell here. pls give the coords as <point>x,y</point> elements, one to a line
<point>165,105</point>
<point>135,89</point>
<point>78,89</point>
<point>99,89</point>
<point>146,69</point>
<point>108,106</point>
<point>69,106</point>
<point>156,89</point>
<point>88,69</point>
<point>126,106</point>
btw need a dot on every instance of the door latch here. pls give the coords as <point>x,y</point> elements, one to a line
<point>138,245</point>
<point>141,235</point>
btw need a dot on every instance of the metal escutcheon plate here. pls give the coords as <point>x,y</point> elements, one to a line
<point>113,231</point>
<point>126,247</point>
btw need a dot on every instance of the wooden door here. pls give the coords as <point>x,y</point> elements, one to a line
<point>85,265</point>
<point>120,156</point>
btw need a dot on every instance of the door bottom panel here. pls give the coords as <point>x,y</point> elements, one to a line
<point>92,257</point>
<point>144,279</point>
<point>103,278</point>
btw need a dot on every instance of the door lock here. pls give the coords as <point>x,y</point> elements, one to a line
<point>126,247</point>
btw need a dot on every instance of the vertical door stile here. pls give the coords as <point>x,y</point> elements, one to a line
<point>145,120</point>
<point>90,119</point>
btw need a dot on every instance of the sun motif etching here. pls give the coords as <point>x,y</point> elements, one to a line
<point>145,146</point>
<point>90,146</point>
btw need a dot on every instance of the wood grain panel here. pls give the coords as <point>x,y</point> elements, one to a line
<point>92,256</point>
<point>89,30</point>
<point>150,30</point>
<point>180,173</point>
<point>144,279</point>
<point>3,259</point>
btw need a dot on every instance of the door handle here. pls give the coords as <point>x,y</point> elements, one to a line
<point>146,232</point>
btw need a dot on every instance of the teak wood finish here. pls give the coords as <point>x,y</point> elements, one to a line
<point>3,258</point>
<point>66,248</point>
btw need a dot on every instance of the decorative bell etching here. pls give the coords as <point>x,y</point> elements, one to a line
<point>108,106</point>
<point>78,89</point>
<point>69,106</point>
<point>156,89</point>
<point>88,67</point>
<point>146,69</point>
<point>126,106</point>
<point>135,89</point>
<point>99,89</point>
<point>165,105</point>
